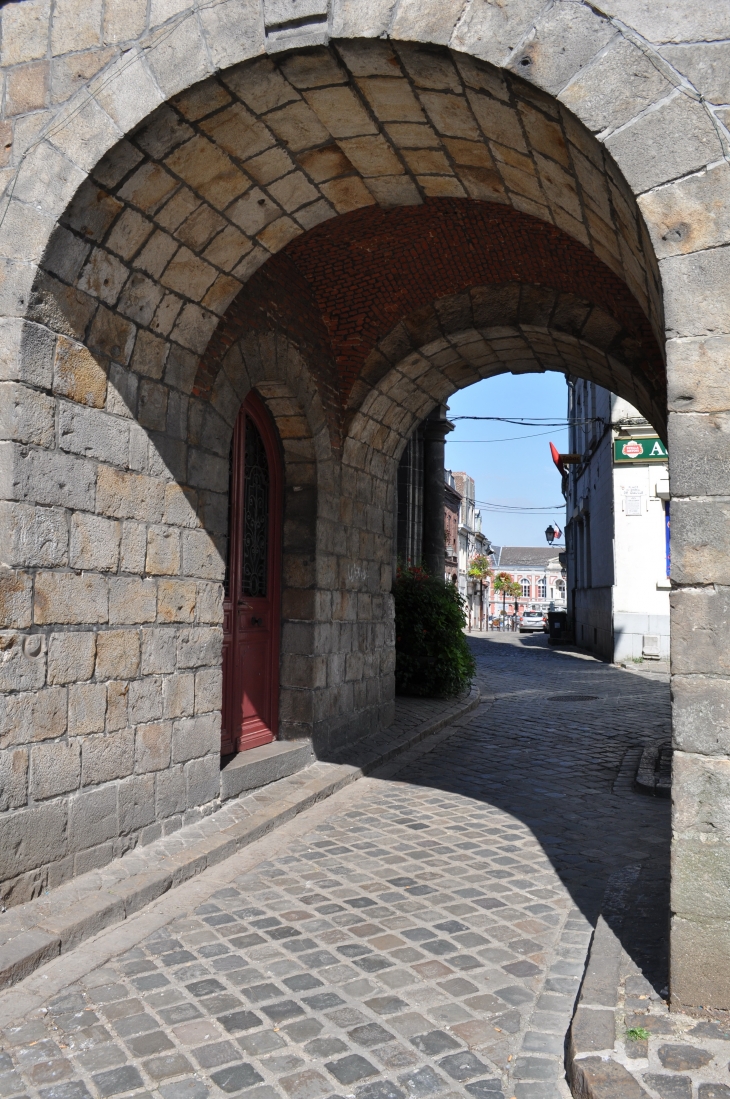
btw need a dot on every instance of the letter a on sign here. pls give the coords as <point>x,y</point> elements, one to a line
<point>657,451</point>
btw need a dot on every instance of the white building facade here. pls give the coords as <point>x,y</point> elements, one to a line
<point>617,530</point>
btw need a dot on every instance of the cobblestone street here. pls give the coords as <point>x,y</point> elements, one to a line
<point>412,936</point>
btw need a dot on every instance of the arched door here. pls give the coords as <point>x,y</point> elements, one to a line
<point>251,609</point>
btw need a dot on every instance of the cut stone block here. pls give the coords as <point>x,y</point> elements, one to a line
<point>594,1078</point>
<point>260,766</point>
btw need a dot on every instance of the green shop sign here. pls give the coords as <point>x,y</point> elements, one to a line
<point>649,448</point>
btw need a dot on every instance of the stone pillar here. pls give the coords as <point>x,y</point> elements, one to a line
<point>700,897</point>
<point>435,429</point>
<point>699,460</point>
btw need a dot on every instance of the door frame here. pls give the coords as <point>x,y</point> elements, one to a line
<point>254,408</point>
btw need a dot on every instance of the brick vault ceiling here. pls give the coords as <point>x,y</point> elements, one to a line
<point>344,286</point>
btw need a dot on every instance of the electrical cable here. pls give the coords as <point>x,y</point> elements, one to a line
<point>506,508</point>
<point>491,507</point>
<point>507,439</point>
<point>524,421</point>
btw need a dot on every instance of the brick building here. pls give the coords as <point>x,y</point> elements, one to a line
<point>225,234</point>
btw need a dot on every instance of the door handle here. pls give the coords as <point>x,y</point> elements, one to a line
<point>257,621</point>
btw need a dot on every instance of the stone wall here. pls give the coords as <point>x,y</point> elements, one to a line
<point>153,158</point>
<point>110,716</point>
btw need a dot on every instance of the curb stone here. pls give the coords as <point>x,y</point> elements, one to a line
<point>591,1072</point>
<point>683,1054</point>
<point>654,774</point>
<point>602,1078</point>
<point>40,930</point>
<point>590,1068</point>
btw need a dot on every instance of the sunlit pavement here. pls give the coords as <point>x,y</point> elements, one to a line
<point>417,936</point>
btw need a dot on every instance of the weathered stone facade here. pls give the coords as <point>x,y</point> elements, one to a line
<point>356,213</point>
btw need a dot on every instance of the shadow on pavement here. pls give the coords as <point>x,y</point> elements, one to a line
<point>566,769</point>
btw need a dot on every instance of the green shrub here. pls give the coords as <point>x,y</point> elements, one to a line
<point>432,657</point>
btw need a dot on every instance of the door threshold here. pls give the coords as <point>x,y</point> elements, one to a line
<point>259,766</point>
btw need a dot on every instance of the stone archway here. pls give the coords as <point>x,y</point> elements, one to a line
<point>150,200</point>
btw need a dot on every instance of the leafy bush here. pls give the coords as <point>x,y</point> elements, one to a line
<point>432,657</point>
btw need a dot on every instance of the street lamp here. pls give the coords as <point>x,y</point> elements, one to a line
<point>550,534</point>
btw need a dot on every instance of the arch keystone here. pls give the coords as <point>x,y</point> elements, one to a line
<point>563,39</point>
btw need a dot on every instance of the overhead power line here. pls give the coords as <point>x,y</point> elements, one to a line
<point>505,439</point>
<point>516,507</point>
<point>540,421</point>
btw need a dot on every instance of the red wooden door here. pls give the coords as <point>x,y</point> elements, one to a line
<point>251,607</point>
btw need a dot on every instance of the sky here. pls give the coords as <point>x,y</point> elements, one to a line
<point>517,471</point>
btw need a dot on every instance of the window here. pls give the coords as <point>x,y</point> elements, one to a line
<point>560,587</point>
<point>542,588</point>
<point>525,589</point>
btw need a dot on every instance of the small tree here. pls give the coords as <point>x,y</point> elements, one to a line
<point>507,586</point>
<point>480,570</point>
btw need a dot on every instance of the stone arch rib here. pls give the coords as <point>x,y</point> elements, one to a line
<point>429,374</point>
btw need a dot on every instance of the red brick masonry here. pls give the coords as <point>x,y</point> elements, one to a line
<point>344,285</point>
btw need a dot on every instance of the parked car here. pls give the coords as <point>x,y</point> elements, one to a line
<point>532,622</point>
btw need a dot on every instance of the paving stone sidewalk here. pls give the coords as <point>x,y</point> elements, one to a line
<point>417,935</point>
<point>625,1042</point>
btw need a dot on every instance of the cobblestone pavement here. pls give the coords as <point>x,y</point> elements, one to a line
<point>415,937</point>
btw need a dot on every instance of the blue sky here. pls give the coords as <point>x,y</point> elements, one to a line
<point>519,470</point>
